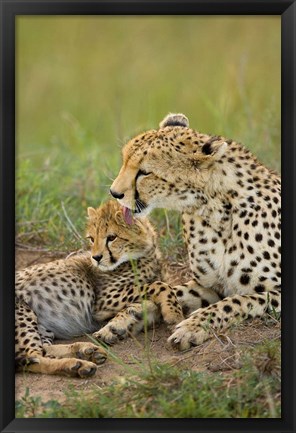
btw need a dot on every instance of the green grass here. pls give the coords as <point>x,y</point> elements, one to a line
<point>164,391</point>
<point>86,84</point>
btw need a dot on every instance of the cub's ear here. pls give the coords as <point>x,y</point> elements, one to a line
<point>91,212</point>
<point>175,120</point>
<point>214,147</point>
<point>119,219</point>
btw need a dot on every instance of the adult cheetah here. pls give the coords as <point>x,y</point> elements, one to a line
<point>70,297</point>
<point>231,214</point>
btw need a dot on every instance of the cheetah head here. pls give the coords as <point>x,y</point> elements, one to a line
<point>112,240</point>
<point>167,168</point>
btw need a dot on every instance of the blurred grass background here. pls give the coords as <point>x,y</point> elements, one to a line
<point>86,84</point>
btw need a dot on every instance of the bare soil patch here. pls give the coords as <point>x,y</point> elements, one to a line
<point>222,353</point>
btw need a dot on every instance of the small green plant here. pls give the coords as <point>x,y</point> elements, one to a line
<point>164,391</point>
<point>29,407</point>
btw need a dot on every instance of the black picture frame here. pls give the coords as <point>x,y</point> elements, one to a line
<point>9,10</point>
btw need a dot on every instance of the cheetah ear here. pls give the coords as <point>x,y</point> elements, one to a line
<point>91,212</point>
<point>175,120</point>
<point>119,219</point>
<point>214,147</point>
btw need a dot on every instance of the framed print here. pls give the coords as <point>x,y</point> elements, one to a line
<point>142,150</point>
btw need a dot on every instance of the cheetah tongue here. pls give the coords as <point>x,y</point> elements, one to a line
<point>127,215</point>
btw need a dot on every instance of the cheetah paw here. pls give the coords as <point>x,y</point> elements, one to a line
<point>110,334</point>
<point>79,368</point>
<point>91,352</point>
<point>187,334</point>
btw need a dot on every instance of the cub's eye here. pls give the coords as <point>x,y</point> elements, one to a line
<point>90,238</point>
<point>142,173</point>
<point>111,238</point>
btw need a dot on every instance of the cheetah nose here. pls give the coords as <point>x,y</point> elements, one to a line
<point>116,194</point>
<point>98,257</point>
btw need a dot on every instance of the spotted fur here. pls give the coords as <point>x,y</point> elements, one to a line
<point>231,214</point>
<point>117,280</point>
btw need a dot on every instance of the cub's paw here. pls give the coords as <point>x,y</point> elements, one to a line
<point>80,368</point>
<point>90,352</point>
<point>128,322</point>
<point>111,334</point>
<point>188,333</point>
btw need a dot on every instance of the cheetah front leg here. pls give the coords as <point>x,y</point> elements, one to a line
<point>165,297</point>
<point>158,300</point>
<point>130,321</point>
<point>64,366</point>
<point>191,296</point>
<point>203,322</point>
<point>81,350</point>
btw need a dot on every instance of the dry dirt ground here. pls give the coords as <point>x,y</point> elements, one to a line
<point>221,353</point>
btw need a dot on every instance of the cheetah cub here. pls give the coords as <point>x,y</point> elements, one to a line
<point>69,297</point>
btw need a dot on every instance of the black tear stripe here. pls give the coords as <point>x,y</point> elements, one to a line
<point>137,175</point>
<point>142,173</point>
<point>112,258</point>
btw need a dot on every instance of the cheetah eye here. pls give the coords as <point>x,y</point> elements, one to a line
<point>90,238</point>
<point>142,173</point>
<point>111,238</point>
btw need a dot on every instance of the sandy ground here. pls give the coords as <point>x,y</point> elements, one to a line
<point>221,353</point>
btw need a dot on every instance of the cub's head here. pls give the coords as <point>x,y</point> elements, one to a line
<point>166,167</point>
<point>113,241</point>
